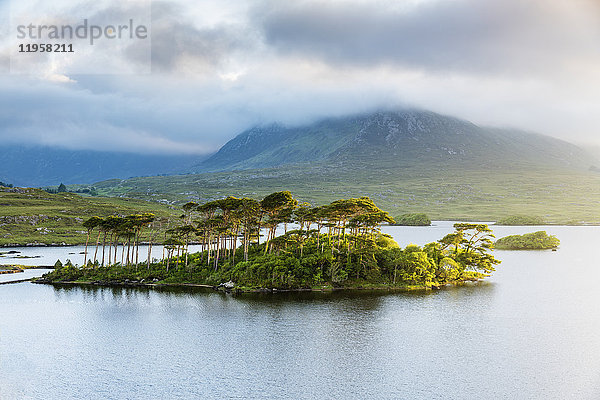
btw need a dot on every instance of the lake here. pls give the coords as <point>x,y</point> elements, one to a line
<point>47,256</point>
<point>531,331</point>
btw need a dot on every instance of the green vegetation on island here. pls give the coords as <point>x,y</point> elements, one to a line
<point>518,220</point>
<point>10,269</point>
<point>539,240</point>
<point>15,268</point>
<point>338,245</point>
<point>413,219</point>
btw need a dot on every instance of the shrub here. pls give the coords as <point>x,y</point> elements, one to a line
<point>521,220</point>
<point>539,240</point>
<point>414,219</point>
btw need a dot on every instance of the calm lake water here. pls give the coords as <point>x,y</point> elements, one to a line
<point>532,331</point>
<point>47,256</point>
<point>26,274</point>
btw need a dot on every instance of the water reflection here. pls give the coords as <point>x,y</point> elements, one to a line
<point>530,331</point>
<point>346,301</point>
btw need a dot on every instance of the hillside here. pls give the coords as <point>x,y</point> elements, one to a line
<point>408,161</point>
<point>43,166</point>
<point>34,216</point>
<point>400,138</point>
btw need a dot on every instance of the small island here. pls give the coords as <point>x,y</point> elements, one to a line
<point>334,246</point>
<point>520,220</point>
<point>539,240</point>
<point>10,269</point>
<point>413,219</point>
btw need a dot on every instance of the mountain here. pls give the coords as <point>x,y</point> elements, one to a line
<point>44,166</point>
<point>399,138</point>
<point>384,140</point>
<point>406,161</point>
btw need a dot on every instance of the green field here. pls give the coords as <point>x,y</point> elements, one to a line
<point>470,192</point>
<point>406,162</point>
<point>33,216</point>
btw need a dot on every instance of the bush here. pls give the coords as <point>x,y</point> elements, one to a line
<point>539,240</point>
<point>414,219</point>
<point>521,220</point>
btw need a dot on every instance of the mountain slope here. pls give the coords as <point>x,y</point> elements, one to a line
<point>398,138</point>
<point>41,166</point>
<point>407,161</point>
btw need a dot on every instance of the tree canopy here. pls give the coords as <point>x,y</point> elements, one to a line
<point>413,219</point>
<point>539,240</point>
<point>521,220</point>
<point>247,241</point>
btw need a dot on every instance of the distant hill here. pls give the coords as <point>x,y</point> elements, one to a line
<point>42,166</point>
<point>384,140</point>
<point>396,138</point>
<point>407,161</point>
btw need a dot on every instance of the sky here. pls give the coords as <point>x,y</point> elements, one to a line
<point>212,68</point>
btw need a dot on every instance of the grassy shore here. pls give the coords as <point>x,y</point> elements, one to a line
<point>30,217</point>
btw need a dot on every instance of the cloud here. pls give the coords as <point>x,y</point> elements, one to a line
<point>221,66</point>
<point>469,36</point>
<point>70,117</point>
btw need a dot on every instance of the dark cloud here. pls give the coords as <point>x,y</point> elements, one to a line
<point>483,36</point>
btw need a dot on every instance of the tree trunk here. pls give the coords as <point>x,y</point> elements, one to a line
<point>97,245</point>
<point>128,248</point>
<point>116,244</point>
<point>152,232</point>
<point>103,246</point>
<point>136,244</point>
<point>110,242</point>
<point>186,252</point>
<point>235,237</point>
<point>87,239</point>
<point>168,258</point>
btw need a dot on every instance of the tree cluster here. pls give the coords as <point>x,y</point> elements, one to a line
<point>413,219</point>
<point>248,242</point>
<point>517,220</point>
<point>539,240</point>
<point>114,230</point>
<point>217,225</point>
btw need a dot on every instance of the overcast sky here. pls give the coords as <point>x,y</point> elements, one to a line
<point>221,66</point>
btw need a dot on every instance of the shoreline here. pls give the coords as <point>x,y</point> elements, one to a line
<point>241,290</point>
<point>17,281</point>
